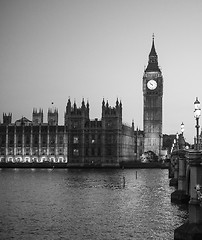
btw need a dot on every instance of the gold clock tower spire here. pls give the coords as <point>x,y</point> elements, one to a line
<point>152,94</point>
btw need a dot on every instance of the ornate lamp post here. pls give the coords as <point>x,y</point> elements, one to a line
<point>192,229</point>
<point>174,144</point>
<point>182,140</point>
<point>177,141</point>
<point>197,114</point>
<point>182,128</point>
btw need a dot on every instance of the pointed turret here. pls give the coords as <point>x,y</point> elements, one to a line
<point>52,116</point>
<point>37,116</point>
<point>7,118</point>
<point>153,50</point>
<point>153,59</point>
<point>68,107</point>
<point>83,103</point>
<point>117,102</point>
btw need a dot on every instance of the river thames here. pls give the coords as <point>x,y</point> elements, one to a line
<point>85,204</point>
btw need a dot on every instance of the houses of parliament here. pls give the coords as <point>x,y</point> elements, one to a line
<point>81,141</point>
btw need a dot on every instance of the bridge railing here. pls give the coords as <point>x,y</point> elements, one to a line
<point>192,229</point>
<point>178,173</point>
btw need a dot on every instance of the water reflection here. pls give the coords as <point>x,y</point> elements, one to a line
<point>87,204</point>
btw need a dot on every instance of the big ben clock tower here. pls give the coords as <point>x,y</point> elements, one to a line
<point>153,94</point>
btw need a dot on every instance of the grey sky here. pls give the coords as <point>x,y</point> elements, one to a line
<point>51,50</point>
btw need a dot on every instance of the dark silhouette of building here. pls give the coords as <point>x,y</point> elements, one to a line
<point>79,142</point>
<point>33,141</point>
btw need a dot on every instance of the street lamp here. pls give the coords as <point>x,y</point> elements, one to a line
<point>197,114</point>
<point>182,140</point>
<point>182,128</point>
<point>177,141</point>
<point>174,144</point>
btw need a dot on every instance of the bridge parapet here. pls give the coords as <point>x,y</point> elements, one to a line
<point>195,165</point>
<point>179,164</point>
<point>173,169</point>
<point>192,229</point>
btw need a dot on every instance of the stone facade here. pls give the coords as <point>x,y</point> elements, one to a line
<point>152,110</point>
<point>79,142</point>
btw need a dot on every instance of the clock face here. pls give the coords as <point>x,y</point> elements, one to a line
<point>152,84</point>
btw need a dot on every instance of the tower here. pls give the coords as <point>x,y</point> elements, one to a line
<point>152,94</point>
<point>112,129</point>
<point>52,116</point>
<point>7,118</point>
<point>112,116</point>
<point>75,121</point>
<point>37,116</point>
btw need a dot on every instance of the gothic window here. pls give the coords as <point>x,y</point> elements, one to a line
<point>52,140</point>
<point>19,151</point>
<point>86,138</point>
<point>109,152</point>
<point>86,151</point>
<point>109,124</point>
<point>10,151</point>
<point>75,124</point>
<point>11,142</point>
<point>2,151</point>
<point>44,140</point>
<point>27,140</point>
<point>3,140</point>
<point>60,151</point>
<point>98,152</point>
<point>93,139</point>
<point>75,152</point>
<point>61,140</point>
<point>75,139</point>
<point>19,142</point>
<point>110,138</point>
<point>35,151</point>
<point>36,140</point>
<point>27,152</point>
<point>52,151</point>
<point>44,152</point>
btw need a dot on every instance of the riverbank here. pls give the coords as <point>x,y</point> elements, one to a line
<point>133,164</point>
<point>137,164</point>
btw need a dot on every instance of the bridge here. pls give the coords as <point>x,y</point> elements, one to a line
<point>186,175</point>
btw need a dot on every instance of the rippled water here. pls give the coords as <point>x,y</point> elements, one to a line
<point>87,204</point>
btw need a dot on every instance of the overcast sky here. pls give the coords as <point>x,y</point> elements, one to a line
<point>52,50</point>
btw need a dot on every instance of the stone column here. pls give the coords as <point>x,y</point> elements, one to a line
<point>15,140</point>
<point>82,146</point>
<point>56,141</point>
<point>176,170</point>
<point>195,210</point>
<point>39,140</point>
<point>192,229</point>
<point>65,143</point>
<point>6,148</point>
<point>31,142</point>
<point>6,141</point>
<point>103,147</point>
<point>23,141</point>
<point>182,174</point>
<point>48,141</point>
<point>180,196</point>
<point>175,163</point>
